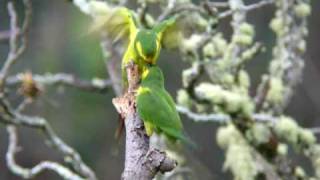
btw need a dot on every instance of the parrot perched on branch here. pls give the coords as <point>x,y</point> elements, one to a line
<point>143,45</point>
<point>156,107</point>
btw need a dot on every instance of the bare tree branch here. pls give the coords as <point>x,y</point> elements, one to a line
<point>247,8</point>
<point>171,10</point>
<point>15,50</point>
<point>18,43</point>
<point>34,171</point>
<point>221,118</point>
<point>15,118</point>
<point>95,85</point>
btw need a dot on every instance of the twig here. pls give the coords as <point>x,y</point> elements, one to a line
<point>5,35</point>
<point>95,85</point>
<point>204,117</point>
<point>142,11</point>
<point>315,130</point>
<point>15,118</point>
<point>200,9</point>
<point>218,4</point>
<point>16,50</point>
<point>247,8</point>
<point>34,171</point>
<point>23,104</point>
<point>167,10</point>
<point>261,94</point>
<point>141,161</point>
<point>238,17</point>
<point>112,61</point>
<point>221,118</point>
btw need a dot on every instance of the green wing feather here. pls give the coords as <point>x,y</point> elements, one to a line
<point>155,106</point>
<point>117,22</point>
<point>171,32</point>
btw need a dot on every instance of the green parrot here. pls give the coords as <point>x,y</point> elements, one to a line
<point>143,45</point>
<point>156,107</point>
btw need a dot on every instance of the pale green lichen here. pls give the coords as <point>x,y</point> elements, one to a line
<point>149,19</point>
<point>246,28</point>
<point>199,22</point>
<point>307,137</point>
<point>315,157</point>
<point>182,1</point>
<point>243,39</point>
<point>278,26</point>
<point>219,42</point>
<point>243,79</point>
<point>153,1</point>
<point>96,8</point>
<point>302,10</point>
<point>282,149</point>
<point>201,108</point>
<point>210,92</point>
<point>287,129</point>
<point>299,172</point>
<point>258,134</point>
<point>249,53</point>
<point>183,98</point>
<point>228,135</point>
<point>209,50</point>
<point>247,109</point>
<point>240,162</point>
<point>238,154</point>
<point>232,102</point>
<point>187,77</point>
<point>302,46</point>
<point>227,79</point>
<point>218,72</point>
<point>276,90</point>
<point>189,74</point>
<point>245,35</point>
<point>216,47</point>
<point>190,44</point>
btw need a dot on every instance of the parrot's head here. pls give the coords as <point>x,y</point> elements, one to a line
<point>147,45</point>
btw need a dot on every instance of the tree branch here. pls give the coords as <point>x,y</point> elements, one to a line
<point>34,171</point>
<point>9,116</point>
<point>221,118</point>
<point>95,85</point>
<point>15,49</point>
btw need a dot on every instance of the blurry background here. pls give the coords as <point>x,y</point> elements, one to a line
<point>87,121</point>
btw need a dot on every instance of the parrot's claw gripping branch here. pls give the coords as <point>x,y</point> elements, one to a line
<point>141,161</point>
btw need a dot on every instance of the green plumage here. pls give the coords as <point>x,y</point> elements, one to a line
<point>157,108</point>
<point>143,45</point>
<point>154,104</point>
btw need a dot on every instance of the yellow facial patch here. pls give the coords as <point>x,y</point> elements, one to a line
<point>139,48</point>
<point>143,90</point>
<point>144,73</point>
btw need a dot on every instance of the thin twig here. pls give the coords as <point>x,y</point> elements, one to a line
<point>189,7</point>
<point>95,85</point>
<point>15,49</point>
<point>247,8</point>
<point>204,117</point>
<point>34,171</point>
<point>315,130</point>
<point>5,35</point>
<point>221,118</point>
<point>15,118</point>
